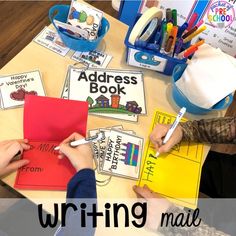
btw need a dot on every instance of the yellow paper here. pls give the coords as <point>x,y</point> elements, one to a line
<point>175,175</point>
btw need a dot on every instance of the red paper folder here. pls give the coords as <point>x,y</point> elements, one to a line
<point>49,120</point>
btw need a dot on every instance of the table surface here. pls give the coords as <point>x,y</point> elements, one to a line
<point>53,68</point>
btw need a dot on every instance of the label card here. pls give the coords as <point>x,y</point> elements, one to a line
<point>51,40</point>
<point>108,91</point>
<point>71,30</point>
<point>85,17</point>
<point>123,155</point>
<point>14,88</point>
<point>95,59</point>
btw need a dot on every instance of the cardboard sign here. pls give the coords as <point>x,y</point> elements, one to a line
<point>108,91</point>
<point>53,119</point>
<point>14,88</point>
<point>123,155</point>
<point>51,40</point>
<point>45,171</point>
<point>175,175</point>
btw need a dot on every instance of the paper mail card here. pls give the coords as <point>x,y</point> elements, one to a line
<point>14,88</point>
<point>45,171</point>
<point>108,91</point>
<point>123,155</point>
<point>51,40</point>
<point>85,17</point>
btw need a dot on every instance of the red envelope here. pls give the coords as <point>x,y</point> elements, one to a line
<point>50,120</point>
<point>53,119</point>
<point>45,171</point>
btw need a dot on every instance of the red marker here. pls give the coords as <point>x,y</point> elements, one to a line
<point>192,21</point>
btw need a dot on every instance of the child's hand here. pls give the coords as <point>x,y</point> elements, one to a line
<point>8,150</point>
<point>159,133</point>
<point>156,205</point>
<point>81,157</point>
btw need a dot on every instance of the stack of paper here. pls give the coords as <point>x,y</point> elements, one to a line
<point>119,153</point>
<point>111,93</point>
<point>208,77</point>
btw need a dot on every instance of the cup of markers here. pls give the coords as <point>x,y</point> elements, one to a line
<point>158,43</point>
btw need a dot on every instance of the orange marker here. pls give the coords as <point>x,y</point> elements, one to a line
<point>188,52</point>
<point>174,35</point>
<point>198,44</point>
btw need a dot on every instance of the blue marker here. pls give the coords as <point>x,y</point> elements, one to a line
<point>182,29</point>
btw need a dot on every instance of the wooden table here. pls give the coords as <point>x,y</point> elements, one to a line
<point>53,68</point>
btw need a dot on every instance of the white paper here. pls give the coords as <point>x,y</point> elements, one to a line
<point>208,78</point>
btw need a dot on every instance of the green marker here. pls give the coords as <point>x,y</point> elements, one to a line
<point>174,17</point>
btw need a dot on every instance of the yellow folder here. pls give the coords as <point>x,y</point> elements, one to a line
<point>175,175</point>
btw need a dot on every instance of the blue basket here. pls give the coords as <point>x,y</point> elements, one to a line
<point>60,13</point>
<point>182,101</point>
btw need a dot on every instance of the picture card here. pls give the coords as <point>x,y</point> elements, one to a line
<point>71,30</point>
<point>108,91</point>
<point>51,40</point>
<point>127,117</point>
<point>123,155</point>
<point>95,59</point>
<point>14,88</point>
<point>53,119</point>
<point>85,17</point>
<point>44,171</point>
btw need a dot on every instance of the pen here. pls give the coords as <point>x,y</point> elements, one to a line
<point>168,15</point>
<point>193,29</point>
<point>182,28</point>
<point>188,52</point>
<point>190,37</point>
<point>101,135</point>
<point>174,17</point>
<point>192,20</point>
<point>173,127</point>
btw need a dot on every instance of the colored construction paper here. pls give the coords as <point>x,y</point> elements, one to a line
<point>176,174</point>
<point>45,171</point>
<point>53,119</point>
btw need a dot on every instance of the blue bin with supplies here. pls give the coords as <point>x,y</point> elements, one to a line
<point>150,59</point>
<point>60,13</point>
<point>182,101</point>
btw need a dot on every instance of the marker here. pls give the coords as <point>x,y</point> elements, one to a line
<point>173,127</point>
<point>182,29</point>
<point>164,40</point>
<point>174,17</point>
<point>169,44</point>
<point>169,28</point>
<point>178,47</point>
<point>174,35</point>
<point>190,37</point>
<point>101,135</point>
<point>192,21</point>
<point>168,15</point>
<point>193,29</point>
<point>188,52</point>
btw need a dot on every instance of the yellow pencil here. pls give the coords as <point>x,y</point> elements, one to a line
<point>190,37</point>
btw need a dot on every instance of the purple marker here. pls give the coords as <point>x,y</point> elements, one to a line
<point>178,47</point>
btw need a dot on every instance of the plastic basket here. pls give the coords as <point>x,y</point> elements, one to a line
<point>60,13</point>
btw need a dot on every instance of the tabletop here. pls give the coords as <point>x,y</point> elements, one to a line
<point>53,68</point>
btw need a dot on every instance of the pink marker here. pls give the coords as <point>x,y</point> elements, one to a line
<point>192,21</point>
<point>199,23</point>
